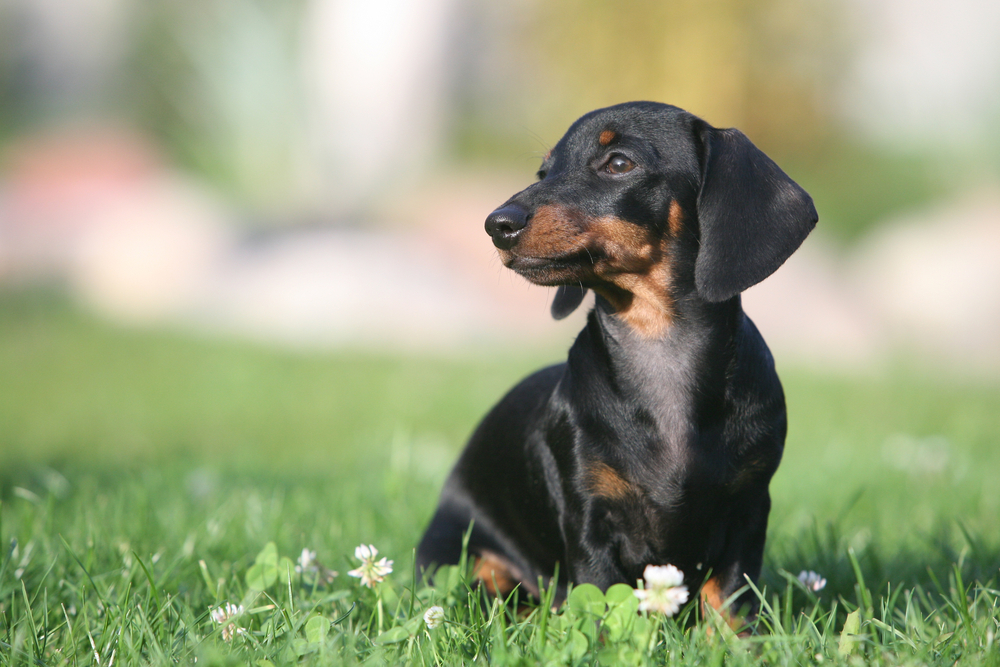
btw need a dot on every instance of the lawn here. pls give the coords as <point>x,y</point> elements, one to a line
<point>148,478</point>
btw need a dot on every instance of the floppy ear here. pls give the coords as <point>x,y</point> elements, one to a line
<point>567,298</point>
<point>752,216</point>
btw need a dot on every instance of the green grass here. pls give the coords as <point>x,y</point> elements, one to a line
<point>143,473</point>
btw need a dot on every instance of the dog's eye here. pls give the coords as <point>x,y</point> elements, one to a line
<point>619,164</point>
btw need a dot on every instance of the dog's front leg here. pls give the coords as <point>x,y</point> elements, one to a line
<point>741,559</point>
<point>593,555</point>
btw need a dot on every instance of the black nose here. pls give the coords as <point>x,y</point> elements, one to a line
<point>505,224</point>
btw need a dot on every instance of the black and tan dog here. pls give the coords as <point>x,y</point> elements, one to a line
<point>655,442</point>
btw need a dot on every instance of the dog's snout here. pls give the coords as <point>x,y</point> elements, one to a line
<point>505,224</point>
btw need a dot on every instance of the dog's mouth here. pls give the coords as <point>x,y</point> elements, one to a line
<point>566,269</point>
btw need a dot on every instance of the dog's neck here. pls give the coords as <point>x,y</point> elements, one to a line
<point>700,333</point>
<point>679,377</point>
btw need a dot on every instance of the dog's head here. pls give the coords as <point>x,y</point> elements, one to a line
<point>643,202</point>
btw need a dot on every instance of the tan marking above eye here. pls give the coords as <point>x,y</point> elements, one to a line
<point>607,136</point>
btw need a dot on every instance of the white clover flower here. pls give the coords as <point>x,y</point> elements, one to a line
<point>663,576</point>
<point>307,562</point>
<point>365,551</point>
<point>434,617</point>
<point>812,580</point>
<point>227,611</point>
<point>223,615</point>
<point>664,590</point>
<point>371,571</point>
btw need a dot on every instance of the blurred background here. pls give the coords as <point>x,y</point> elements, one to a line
<point>316,172</point>
<point>246,294</point>
<point>244,238</point>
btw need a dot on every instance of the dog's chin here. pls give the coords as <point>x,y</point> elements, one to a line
<point>543,271</point>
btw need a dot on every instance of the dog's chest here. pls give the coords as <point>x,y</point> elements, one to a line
<point>675,446</point>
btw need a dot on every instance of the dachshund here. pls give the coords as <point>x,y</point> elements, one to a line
<point>655,442</point>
